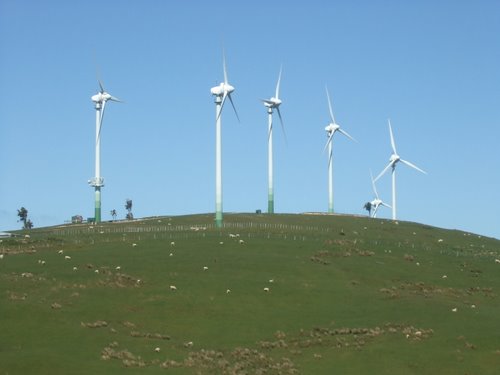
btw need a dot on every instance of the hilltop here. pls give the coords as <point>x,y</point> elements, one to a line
<point>274,294</point>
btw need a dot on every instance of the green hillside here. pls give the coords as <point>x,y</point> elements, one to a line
<point>267,294</point>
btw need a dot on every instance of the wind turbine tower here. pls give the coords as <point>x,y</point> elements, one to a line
<point>220,92</point>
<point>393,161</point>
<point>271,104</point>
<point>97,182</point>
<point>331,129</point>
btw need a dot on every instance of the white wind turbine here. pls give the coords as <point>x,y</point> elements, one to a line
<point>221,92</point>
<point>271,104</point>
<point>393,161</point>
<point>97,182</point>
<point>331,129</point>
<point>377,202</point>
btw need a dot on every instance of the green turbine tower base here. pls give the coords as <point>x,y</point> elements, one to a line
<point>97,215</point>
<point>270,204</point>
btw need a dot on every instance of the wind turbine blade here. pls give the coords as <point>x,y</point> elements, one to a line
<point>330,105</point>
<point>375,211</point>
<point>328,141</point>
<point>235,111</point>
<point>278,84</point>
<point>267,101</point>
<point>100,120</point>
<point>282,125</point>
<point>373,185</point>
<point>393,144</point>
<point>385,205</point>
<point>347,135</point>
<point>221,106</point>
<point>381,173</point>
<point>114,99</point>
<point>224,66</point>
<point>100,86</point>
<point>413,166</point>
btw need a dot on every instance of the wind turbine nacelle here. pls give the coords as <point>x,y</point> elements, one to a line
<point>102,97</point>
<point>394,158</point>
<point>97,98</point>
<point>273,102</point>
<point>96,181</point>
<point>331,128</point>
<point>217,90</point>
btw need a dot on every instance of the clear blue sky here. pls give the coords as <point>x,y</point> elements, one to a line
<point>432,67</point>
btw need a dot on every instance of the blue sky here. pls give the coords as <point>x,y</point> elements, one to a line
<point>432,67</point>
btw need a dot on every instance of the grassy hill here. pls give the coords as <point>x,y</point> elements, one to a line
<point>280,294</point>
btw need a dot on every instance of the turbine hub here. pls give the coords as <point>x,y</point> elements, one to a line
<point>330,128</point>
<point>394,158</point>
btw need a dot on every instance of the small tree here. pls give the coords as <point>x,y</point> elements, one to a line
<point>23,217</point>
<point>368,207</point>
<point>113,214</point>
<point>128,207</point>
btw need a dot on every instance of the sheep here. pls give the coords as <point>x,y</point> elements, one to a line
<point>497,260</point>
<point>27,236</point>
<point>188,344</point>
<point>42,262</point>
<point>1,256</point>
<point>440,240</point>
<point>96,271</point>
<point>157,349</point>
<point>134,245</point>
<point>221,243</point>
<point>118,268</point>
<point>266,289</point>
<point>228,291</point>
<point>444,277</point>
<point>271,280</point>
<point>242,242</point>
<point>205,268</point>
<point>172,244</point>
<point>171,254</point>
<point>454,309</point>
<point>61,251</point>
<point>232,235</point>
<point>67,257</point>
<point>75,268</point>
<point>173,287</point>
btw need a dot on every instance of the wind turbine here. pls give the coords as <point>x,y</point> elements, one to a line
<point>271,104</point>
<point>331,129</point>
<point>97,182</point>
<point>377,202</point>
<point>393,161</point>
<point>221,92</point>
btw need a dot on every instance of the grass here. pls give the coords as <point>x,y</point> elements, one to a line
<point>347,295</point>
